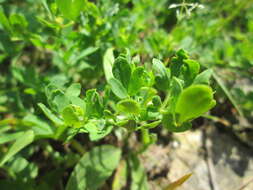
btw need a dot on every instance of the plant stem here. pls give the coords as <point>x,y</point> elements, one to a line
<point>166,100</point>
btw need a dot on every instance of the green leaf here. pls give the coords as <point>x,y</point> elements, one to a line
<point>40,127</point>
<point>147,95</point>
<point>122,70</point>
<point>94,104</point>
<point>177,62</point>
<point>175,89</point>
<point>204,77</point>
<point>169,122</point>
<point>50,114</point>
<point>136,81</point>
<point>117,88</point>
<point>151,125</point>
<point>70,9</point>
<point>19,144</point>
<point>193,102</point>
<point>97,129</point>
<point>7,137</point>
<point>73,90</point>
<point>138,175</point>
<point>108,61</point>
<point>60,101</point>
<point>120,178</point>
<point>4,20</point>
<point>71,115</point>
<point>191,71</point>
<point>161,74</point>
<point>128,106</point>
<point>94,168</point>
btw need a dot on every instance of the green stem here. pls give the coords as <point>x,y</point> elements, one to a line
<point>76,145</point>
<point>166,100</point>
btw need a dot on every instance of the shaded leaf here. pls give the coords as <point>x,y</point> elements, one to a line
<point>50,114</point>
<point>161,74</point>
<point>122,70</point>
<point>138,174</point>
<point>204,77</point>
<point>128,106</point>
<point>94,168</point>
<point>19,144</point>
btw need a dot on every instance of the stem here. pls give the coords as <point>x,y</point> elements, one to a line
<point>166,100</point>
<point>76,145</point>
<point>145,136</point>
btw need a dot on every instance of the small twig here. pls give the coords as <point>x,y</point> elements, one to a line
<point>246,184</point>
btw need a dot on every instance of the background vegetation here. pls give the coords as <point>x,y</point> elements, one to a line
<point>48,46</point>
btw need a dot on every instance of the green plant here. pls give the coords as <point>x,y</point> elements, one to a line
<point>76,68</point>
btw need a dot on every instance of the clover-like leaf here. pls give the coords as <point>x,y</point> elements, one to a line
<point>94,168</point>
<point>122,70</point>
<point>72,115</point>
<point>70,8</point>
<point>204,77</point>
<point>136,81</point>
<point>191,70</point>
<point>128,106</point>
<point>193,102</point>
<point>161,75</point>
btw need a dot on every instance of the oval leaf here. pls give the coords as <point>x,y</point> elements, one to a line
<point>94,168</point>
<point>193,102</point>
<point>117,88</point>
<point>128,106</point>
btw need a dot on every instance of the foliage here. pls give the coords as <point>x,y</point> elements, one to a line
<point>78,75</point>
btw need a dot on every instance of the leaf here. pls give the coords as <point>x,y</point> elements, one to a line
<point>128,106</point>
<point>70,116</point>
<point>122,70</point>
<point>94,168</point>
<point>169,122</point>
<point>60,101</point>
<point>204,77</point>
<point>108,61</point>
<point>19,144</point>
<point>193,102</point>
<point>70,9</point>
<point>7,137</point>
<point>73,90</point>
<point>191,71</point>
<point>40,127</point>
<point>94,104</point>
<point>4,20</point>
<point>162,75</point>
<point>151,125</point>
<point>176,88</point>
<point>136,81</point>
<point>120,178</point>
<point>177,63</point>
<point>97,129</point>
<point>138,174</point>
<point>117,88</point>
<point>228,94</point>
<point>147,94</point>
<point>176,184</point>
<point>50,114</point>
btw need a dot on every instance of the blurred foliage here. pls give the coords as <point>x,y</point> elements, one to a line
<point>48,48</point>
